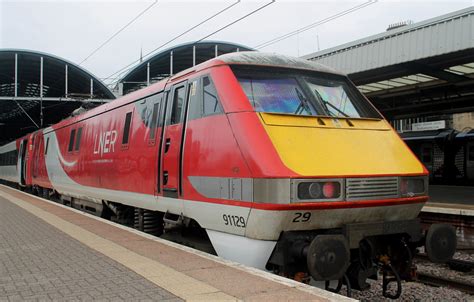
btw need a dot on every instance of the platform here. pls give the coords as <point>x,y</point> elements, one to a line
<point>52,252</point>
<point>449,209</point>
<point>451,194</point>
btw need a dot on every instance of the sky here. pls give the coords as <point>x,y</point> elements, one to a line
<point>73,29</point>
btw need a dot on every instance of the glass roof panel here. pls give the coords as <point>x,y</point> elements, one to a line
<point>462,69</point>
<point>369,88</point>
<point>391,83</point>
<point>405,81</point>
<point>379,85</point>
<point>455,72</point>
<point>418,78</point>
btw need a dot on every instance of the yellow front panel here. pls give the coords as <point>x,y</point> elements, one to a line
<point>312,147</point>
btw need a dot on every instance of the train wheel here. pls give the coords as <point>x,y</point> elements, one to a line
<point>45,193</point>
<point>38,191</point>
<point>441,242</point>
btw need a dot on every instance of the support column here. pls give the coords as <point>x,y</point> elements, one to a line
<point>216,48</point>
<point>194,55</point>
<point>41,77</point>
<point>41,92</point>
<point>16,74</point>
<point>65,80</point>
<point>171,63</point>
<point>92,88</point>
<point>148,74</point>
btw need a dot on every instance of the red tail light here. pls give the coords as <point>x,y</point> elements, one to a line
<point>330,189</point>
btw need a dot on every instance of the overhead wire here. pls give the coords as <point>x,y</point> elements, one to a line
<point>119,31</point>
<point>235,21</point>
<point>126,68</point>
<point>310,26</point>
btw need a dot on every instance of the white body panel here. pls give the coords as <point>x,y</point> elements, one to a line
<point>243,250</point>
<point>267,225</point>
<point>9,173</point>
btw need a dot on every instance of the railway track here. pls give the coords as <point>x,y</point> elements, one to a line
<point>439,281</point>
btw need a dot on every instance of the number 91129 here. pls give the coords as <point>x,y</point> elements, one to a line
<point>234,220</point>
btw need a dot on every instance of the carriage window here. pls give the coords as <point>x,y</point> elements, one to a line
<point>78,139</point>
<point>194,100</point>
<point>471,153</point>
<point>426,155</point>
<point>46,147</point>
<point>8,158</point>
<point>154,120</point>
<point>126,128</point>
<point>210,100</point>
<point>178,100</point>
<point>71,140</point>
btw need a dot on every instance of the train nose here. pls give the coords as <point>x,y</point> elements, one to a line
<point>328,257</point>
<point>440,242</point>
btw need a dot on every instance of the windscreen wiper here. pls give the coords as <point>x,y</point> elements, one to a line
<point>335,108</point>
<point>304,103</point>
<point>326,103</point>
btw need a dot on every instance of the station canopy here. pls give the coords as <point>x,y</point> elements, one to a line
<point>414,70</point>
<point>171,61</point>
<point>39,89</point>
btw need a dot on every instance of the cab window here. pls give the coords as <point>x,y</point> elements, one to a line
<point>178,101</point>
<point>210,99</point>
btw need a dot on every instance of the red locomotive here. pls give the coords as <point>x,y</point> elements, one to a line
<point>282,161</point>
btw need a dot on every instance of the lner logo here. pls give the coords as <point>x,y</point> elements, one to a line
<point>105,142</point>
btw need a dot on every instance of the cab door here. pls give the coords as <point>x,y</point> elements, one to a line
<point>22,162</point>
<point>470,161</point>
<point>175,121</point>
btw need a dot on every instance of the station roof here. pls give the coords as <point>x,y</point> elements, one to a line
<point>173,60</point>
<point>38,89</point>
<point>425,68</point>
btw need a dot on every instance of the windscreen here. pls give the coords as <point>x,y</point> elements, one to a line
<point>300,93</point>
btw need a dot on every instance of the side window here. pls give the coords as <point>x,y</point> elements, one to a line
<point>71,140</point>
<point>178,100</point>
<point>210,100</point>
<point>126,128</point>
<point>471,153</point>
<point>156,101</point>
<point>46,147</point>
<point>426,155</point>
<point>78,139</point>
<point>194,102</point>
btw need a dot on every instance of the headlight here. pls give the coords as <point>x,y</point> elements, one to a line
<point>413,186</point>
<point>319,190</point>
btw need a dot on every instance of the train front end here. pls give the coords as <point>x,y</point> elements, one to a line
<point>334,186</point>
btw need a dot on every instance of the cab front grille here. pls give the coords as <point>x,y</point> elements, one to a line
<point>371,188</point>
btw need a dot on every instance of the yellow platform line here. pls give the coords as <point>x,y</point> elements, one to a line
<point>163,276</point>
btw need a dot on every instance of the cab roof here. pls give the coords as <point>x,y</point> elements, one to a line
<point>272,59</point>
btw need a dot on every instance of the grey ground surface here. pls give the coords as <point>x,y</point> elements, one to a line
<point>452,194</point>
<point>39,262</point>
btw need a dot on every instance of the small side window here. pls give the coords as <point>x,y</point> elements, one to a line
<point>426,155</point>
<point>210,100</point>
<point>178,101</point>
<point>78,139</point>
<point>46,147</point>
<point>471,153</point>
<point>154,120</point>
<point>194,99</point>
<point>71,140</point>
<point>126,128</point>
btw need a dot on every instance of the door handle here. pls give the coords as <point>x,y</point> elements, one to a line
<point>167,144</point>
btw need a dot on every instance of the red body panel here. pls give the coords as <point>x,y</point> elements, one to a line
<point>232,144</point>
